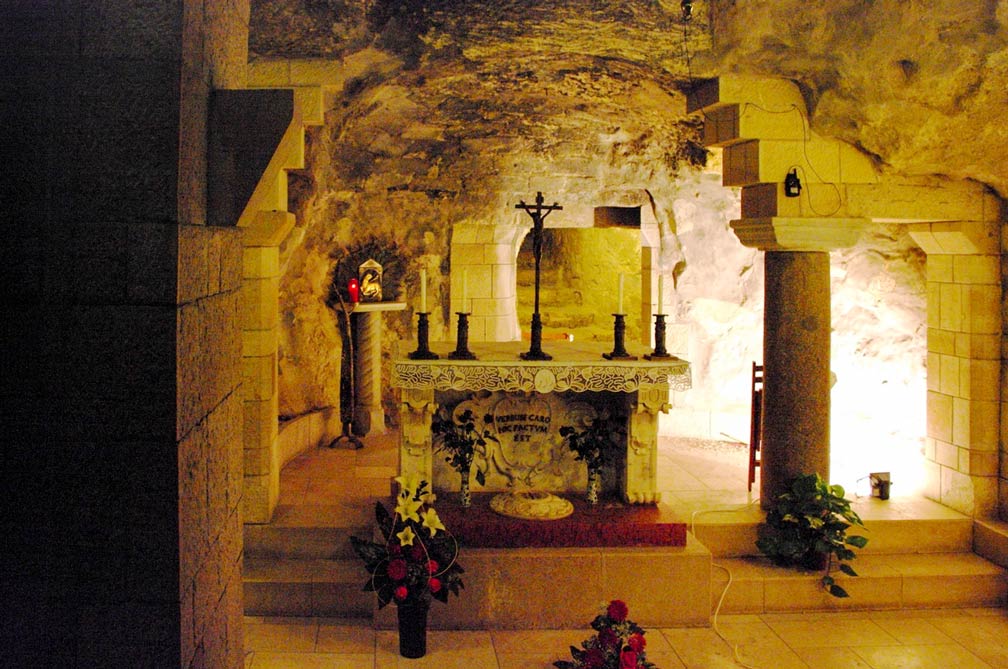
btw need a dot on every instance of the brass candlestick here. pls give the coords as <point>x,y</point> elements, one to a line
<point>619,351</point>
<point>423,351</point>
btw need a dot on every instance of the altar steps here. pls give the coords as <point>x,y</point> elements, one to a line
<point>919,555</point>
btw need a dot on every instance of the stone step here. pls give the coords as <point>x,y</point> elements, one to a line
<point>556,588</point>
<point>305,587</point>
<point>990,540</point>
<point>941,580</point>
<point>897,526</point>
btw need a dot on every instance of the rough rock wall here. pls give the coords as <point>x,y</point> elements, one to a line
<point>580,99</point>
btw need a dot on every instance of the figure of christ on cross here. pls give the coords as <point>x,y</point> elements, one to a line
<point>538,213</point>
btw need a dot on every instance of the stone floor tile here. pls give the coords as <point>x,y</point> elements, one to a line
<point>269,660</point>
<point>941,656</point>
<point>558,642</point>
<point>802,634</point>
<point>445,650</point>
<point>346,637</point>
<point>831,658</point>
<point>290,634</point>
<point>912,631</point>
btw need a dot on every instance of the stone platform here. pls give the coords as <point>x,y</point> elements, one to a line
<point>554,588</point>
<point>607,524</point>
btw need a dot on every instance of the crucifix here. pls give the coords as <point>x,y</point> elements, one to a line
<point>538,213</point>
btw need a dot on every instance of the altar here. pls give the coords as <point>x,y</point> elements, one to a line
<point>639,389</point>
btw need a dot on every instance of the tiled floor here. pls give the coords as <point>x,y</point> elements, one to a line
<point>695,480</point>
<point>927,639</point>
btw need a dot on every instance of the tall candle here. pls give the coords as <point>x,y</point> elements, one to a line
<point>465,290</point>
<point>660,296</point>
<point>619,301</point>
<point>423,291</point>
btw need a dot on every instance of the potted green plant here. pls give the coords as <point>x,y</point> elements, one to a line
<point>807,527</point>
<point>459,439</point>
<point>414,561</point>
<point>597,444</point>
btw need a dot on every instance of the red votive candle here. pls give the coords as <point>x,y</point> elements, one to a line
<point>354,289</point>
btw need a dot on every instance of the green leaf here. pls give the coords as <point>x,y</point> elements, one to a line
<point>857,541</point>
<point>837,591</point>
<point>480,477</point>
<point>847,569</point>
<point>828,581</point>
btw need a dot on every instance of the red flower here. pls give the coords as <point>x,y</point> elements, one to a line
<point>608,639</point>
<point>435,584</point>
<point>396,570</point>
<point>395,549</point>
<point>594,658</point>
<point>628,660</point>
<point>432,567</point>
<point>617,610</point>
<point>636,643</point>
<point>417,552</point>
<point>401,593</point>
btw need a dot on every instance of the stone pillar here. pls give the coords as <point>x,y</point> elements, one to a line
<point>796,369</point>
<point>260,337</point>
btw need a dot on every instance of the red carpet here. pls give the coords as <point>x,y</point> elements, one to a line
<point>607,524</point>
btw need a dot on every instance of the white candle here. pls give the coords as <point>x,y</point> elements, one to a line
<point>423,291</point>
<point>465,290</point>
<point>660,296</point>
<point>619,302</point>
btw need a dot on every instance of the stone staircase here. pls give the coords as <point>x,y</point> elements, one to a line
<point>919,555</point>
<point>301,563</point>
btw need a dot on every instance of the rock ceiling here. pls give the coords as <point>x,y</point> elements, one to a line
<point>920,85</point>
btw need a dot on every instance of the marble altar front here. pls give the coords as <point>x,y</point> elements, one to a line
<point>640,389</point>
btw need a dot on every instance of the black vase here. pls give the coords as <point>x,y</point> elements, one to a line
<point>412,630</point>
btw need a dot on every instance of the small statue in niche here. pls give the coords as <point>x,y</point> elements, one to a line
<point>370,274</point>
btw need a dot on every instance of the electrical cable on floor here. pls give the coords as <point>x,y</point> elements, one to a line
<point>736,656</point>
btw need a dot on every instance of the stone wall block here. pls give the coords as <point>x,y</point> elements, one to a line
<point>948,375</point>
<point>984,420</point>
<point>193,264</point>
<point>939,416</point>
<point>260,422</point>
<point>982,378</point>
<point>466,254</point>
<point>946,454</point>
<point>950,306</point>
<point>940,267</point>
<point>267,72</point>
<point>961,421</point>
<point>977,269</point>
<point>260,309</point>
<point>260,342</point>
<point>984,310</point>
<point>259,377</point>
<point>255,499</point>
<point>933,290</point>
<point>260,262</point>
<point>941,341</point>
<point>983,463</point>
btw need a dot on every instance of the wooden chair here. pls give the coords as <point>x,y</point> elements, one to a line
<point>755,422</point>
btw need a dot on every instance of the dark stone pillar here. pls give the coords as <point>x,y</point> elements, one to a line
<point>796,350</point>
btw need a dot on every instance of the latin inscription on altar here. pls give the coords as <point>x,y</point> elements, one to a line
<point>529,451</point>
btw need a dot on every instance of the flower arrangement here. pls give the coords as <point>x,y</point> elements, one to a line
<point>459,439</point>
<point>618,644</point>
<point>416,559</point>
<point>598,443</point>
